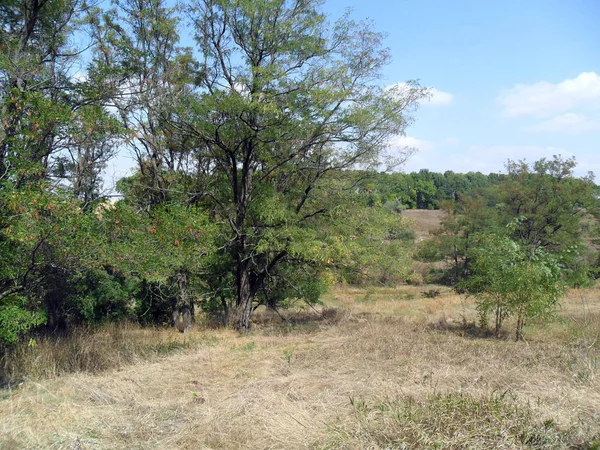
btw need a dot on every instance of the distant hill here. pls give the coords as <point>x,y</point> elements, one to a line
<point>424,221</point>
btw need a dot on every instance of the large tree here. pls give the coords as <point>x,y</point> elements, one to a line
<point>55,137</point>
<point>283,99</point>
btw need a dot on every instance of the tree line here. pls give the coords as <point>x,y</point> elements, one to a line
<point>426,189</point>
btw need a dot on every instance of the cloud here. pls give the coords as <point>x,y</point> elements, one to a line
<point>436,96</point>
<point>402,142</point>
<point>439,98</point>
<point>421,145</point>
<point>544,99</point>
<point>568,123</point>
<point>450,141</point>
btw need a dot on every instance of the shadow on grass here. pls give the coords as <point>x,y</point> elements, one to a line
<point>271,321</point>
<point>463,329</point>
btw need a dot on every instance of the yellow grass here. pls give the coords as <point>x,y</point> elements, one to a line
<point>316,381</point>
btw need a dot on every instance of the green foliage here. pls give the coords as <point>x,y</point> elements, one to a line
<point>270,132</point>
<point>256,180</point>
<point>549,203</point>
<point>101,296</point>
<point>543,205</point>
<point>16,318</point>
<point>425,189</point>
<point>431,250</point>
<point>373,246</point>
<point>42,242</point>
<point>509,280</point>
<point>154,245</point>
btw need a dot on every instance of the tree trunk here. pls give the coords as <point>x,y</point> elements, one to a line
<point>225,310</point>
<point>245,296</point>
<point>176,314</point>
<point>184,303</point>
<point>520,323</point>
<point>187,318</point>
<point>499,320</point>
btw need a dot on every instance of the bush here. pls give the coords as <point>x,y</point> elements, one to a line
<point>429,250</point>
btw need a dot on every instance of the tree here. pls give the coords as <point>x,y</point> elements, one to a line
<point>549,201</point>
<point>283,100</point>
<point>145,74</point>
<point>55,137</point>
<point>463,220</point>
<point>511,280</point>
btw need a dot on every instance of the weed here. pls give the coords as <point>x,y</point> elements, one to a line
<point>287,355</point>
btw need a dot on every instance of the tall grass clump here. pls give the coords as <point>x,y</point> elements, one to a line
<point>86,349</point>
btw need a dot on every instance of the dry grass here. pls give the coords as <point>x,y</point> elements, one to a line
<point>384,368</point>
<point>91,350</point>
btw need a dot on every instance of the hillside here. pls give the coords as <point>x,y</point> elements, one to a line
<point>424,221</point>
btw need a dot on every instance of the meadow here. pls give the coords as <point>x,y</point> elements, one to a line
<point>372,368</point>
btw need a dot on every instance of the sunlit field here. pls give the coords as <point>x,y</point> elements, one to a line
<point>371,368</point>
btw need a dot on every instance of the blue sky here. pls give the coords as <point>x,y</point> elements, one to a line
<point>514,79</point>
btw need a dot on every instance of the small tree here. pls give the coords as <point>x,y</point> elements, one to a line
<point>509,280</point>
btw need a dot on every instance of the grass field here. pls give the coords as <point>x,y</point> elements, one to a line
<point>376,368</point>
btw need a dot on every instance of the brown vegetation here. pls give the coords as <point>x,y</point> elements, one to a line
<point>424,221</point>
<point>377,367</point>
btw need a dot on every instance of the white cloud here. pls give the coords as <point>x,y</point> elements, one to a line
<point>402,142</point>
<point>568,123</point>
<point>439,98</point>
<point>435,98</point>
<point>544,99</point>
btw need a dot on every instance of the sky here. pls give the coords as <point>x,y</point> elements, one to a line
<point>511,79</point>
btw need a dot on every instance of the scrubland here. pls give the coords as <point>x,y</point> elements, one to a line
<point>372,368</point>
